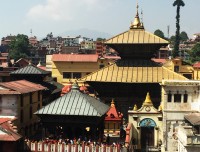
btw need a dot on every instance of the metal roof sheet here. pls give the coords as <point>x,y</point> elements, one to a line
<point>6,131</point>
<point>133,71</point>
<point>19,87</point>
<point>193,118</point>
<point>75,103</point>
<point>136,36</point>
<point>30,69</point>
<point>75,57</point>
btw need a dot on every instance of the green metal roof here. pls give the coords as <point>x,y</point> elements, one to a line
<point>75,103</point>
<point>30,69</point>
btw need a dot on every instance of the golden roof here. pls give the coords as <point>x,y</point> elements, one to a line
<point>133,71</point>
<point>136,36</point>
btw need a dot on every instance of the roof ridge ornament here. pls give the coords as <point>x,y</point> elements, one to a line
<point>148,100</point>
<point>136,24</point>
<point>112,103</point>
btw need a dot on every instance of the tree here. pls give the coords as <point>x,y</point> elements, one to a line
<point>195,53</point>
<point>183,36</point>
<point>159,33</point>
<point>172,39</point>
<point>100,39</point>
<point>19,47</point>
<point>177,3</point>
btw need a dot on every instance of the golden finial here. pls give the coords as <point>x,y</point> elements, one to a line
<point>112,103</point>
<point>148,100</point>
<point>136,24</point>
<point>135,108</point>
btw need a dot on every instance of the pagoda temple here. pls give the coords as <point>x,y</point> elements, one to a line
<point>74,115</point>
<point>128,79</point>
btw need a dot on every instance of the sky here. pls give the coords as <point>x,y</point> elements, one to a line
<point>109,16</point>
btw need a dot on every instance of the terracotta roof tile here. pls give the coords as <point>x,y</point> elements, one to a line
<point>75,57</point>
<point>112,114</point>
<point>7,133</point>
<point>18,87</point>
<point>196,65</point>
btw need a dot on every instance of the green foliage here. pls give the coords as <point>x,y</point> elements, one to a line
<point>100,39</point>
<point>184,36</point>
<point>177,3</point>
<point>172,39</point>
<point>195,53</point>
<point>19,47</point>
<point>159,33</point>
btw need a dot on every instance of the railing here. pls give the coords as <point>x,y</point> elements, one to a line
<point>62,147</point>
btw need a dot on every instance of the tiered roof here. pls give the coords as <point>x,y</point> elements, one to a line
<point>133,71</point>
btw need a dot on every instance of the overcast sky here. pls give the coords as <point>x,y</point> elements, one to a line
<point>110,16</point>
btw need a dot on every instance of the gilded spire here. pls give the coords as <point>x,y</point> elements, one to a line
<point>135,108</point>
<point>112,103</point>
<point>147,100</point>
<point>136,24</point>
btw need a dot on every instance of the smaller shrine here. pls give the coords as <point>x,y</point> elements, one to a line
<point>113,121</point>
<point>147,122</point>
<point>74,115</point>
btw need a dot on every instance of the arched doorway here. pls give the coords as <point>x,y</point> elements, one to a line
<point>147,126</point>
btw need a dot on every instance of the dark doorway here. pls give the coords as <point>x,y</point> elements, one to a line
<point>147,137</point>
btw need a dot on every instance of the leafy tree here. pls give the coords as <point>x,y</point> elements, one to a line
<point>195,53</point>
<point>184,36</point>
<point>159,33</point>
<point>172,39</point>
<point>100,39</point>
<point>19,47</point>
<point>177,3</point>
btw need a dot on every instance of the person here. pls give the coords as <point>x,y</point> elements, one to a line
<point>108,139</point>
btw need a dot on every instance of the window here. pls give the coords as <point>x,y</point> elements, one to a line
<point>177,97</point>
<point>71,75</point>
<point>76,75</point>
<point>185,98</point>
<point>169,97</point>
<point>67,75</point>
<point>101,66</point>
<point>176,68</point>
<point>21,100</point>
<point>189,76</point>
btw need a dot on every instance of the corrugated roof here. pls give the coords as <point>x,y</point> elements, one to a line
<point>196,65</point>
<point>6,131</point>
<point>30,69</point>
<point>19,87</point>
<point>75,103</point>
<point>193,118</point>
<point>133,71</point>
<point>75,57</point>
<point>136,36</point>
